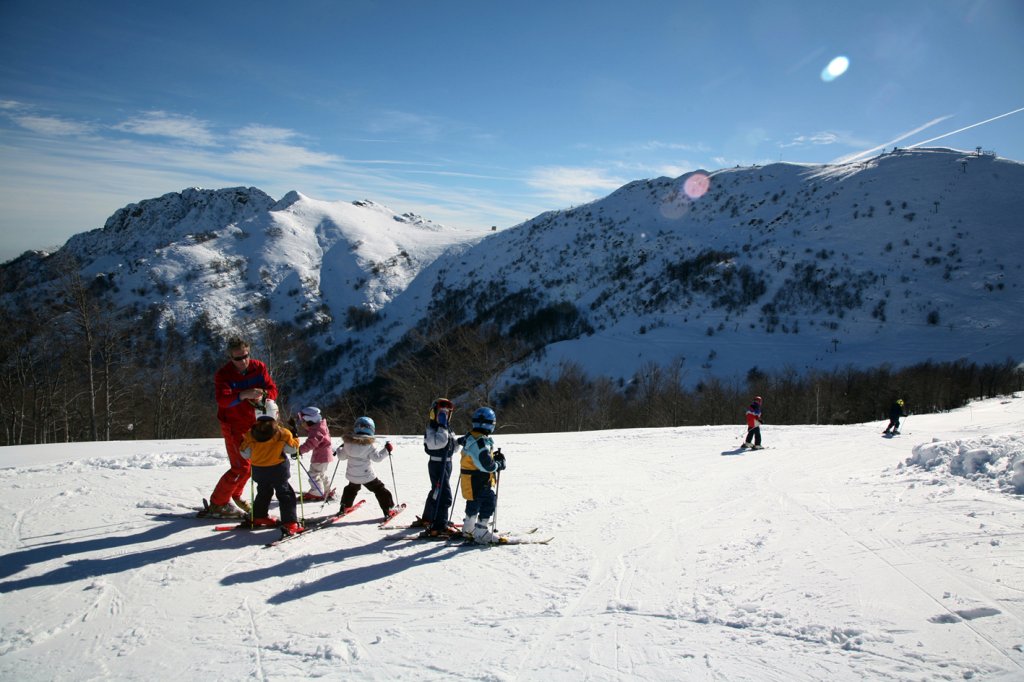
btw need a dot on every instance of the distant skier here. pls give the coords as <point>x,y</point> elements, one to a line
<point>439,442</point>
<point>480,462</point>
<point>267,446</point>
<point>318,441</point>
<point>753,439</point>
<point>895,412</point>
<point>358,448</point>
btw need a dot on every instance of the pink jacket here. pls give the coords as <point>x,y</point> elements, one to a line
<point>318,440</point>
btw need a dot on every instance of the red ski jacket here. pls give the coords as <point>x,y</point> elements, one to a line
<point>229,382</point>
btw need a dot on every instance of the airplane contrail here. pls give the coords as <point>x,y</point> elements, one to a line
<point>853,157</point>
<point>973,125</point>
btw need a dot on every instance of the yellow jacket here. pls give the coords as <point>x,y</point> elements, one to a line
<point>264,447</point>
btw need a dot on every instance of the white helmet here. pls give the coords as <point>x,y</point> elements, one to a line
<point>310,414</point>
<point>266,410</point>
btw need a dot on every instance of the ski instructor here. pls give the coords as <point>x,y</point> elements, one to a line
<point>240,385</point>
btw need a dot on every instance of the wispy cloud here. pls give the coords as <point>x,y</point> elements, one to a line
<point>51,125</point>
<point>406,124</point>
<point>174,126</point>
<point>572,185</point>
<point>823,138</point>
<point>271,147</point>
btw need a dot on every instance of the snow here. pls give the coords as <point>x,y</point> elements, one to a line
<point>834,554</point>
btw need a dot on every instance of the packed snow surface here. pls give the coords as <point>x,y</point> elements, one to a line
<point>834,554</point>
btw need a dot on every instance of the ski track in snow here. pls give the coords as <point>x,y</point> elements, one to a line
<point>826,556</point>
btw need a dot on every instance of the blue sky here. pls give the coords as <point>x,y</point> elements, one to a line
<point>473,113</point>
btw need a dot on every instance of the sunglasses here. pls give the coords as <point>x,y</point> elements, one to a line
<point>240,357</point>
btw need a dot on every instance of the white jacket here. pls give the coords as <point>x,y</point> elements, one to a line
<point>360,453</point>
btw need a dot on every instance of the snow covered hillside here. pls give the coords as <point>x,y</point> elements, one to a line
<point>834,554</point>
<point>228,257</point>
<point>910,256</point>
<point>913,255</point>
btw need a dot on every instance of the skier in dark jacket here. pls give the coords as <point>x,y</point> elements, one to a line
<point>895,412</point>
<point>439,443</point>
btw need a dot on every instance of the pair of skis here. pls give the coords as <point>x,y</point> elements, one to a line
<point>503,539</point>
<point>313,525</point>
<point>461,539</point>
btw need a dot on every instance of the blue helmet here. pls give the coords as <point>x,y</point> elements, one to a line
<point>484,419</point>
<point>365,427</point>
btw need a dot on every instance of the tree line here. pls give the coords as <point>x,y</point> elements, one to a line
<point>75,369</point>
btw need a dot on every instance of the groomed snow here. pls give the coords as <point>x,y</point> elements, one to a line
<point>835,554</point>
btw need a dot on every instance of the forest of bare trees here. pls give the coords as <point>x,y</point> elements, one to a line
<point>72,369</point>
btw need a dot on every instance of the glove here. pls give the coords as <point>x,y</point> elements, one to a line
<point>388,446</point>
<point>499,460</point>
<point>461,440</point>
<point>291,451</point>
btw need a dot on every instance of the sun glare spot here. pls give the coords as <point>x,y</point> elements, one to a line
<point>836,68</point>
<point>678,202</point>
<point>697,185</point>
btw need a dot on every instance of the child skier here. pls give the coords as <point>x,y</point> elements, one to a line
<point>439,442</point>
<point>358,449</point>
<point>267,446</point>
<point>480,462</point>
<point>895,412</point>
<point>318,441</point>
<point>753,439</point>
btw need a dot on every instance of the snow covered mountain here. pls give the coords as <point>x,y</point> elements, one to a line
<point>911,255</point>
<point>231,256</point>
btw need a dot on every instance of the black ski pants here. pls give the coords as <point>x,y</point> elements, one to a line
<point>439,499</point>
<point>272,481</point>
<point>383,495</point>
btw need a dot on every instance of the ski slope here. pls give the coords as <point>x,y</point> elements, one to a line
<point>823,557</point>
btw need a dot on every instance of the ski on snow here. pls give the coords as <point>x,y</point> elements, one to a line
<point>508,538</point>
<point>317,524</point>
<point>398,509</point>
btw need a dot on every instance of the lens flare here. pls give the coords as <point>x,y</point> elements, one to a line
<point>697,185</point>
<point>677,203</point>
<point>836,68</point>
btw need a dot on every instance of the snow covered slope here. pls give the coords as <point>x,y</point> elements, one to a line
<point>231,257</point>
<point>910,256</point>
<point>835,554</point>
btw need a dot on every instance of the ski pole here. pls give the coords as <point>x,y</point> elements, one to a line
<point>311,481</point>
<point>394,485</point>
<point>494,516</point>
<point>330,486</point>
<point>302,508</point>
<point>252,501</point>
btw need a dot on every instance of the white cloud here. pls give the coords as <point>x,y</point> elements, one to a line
<point>572,185</point>
<point>51,125</point>
<point>816,138</point>
<point>267,147</point>
<point>161,124</point>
